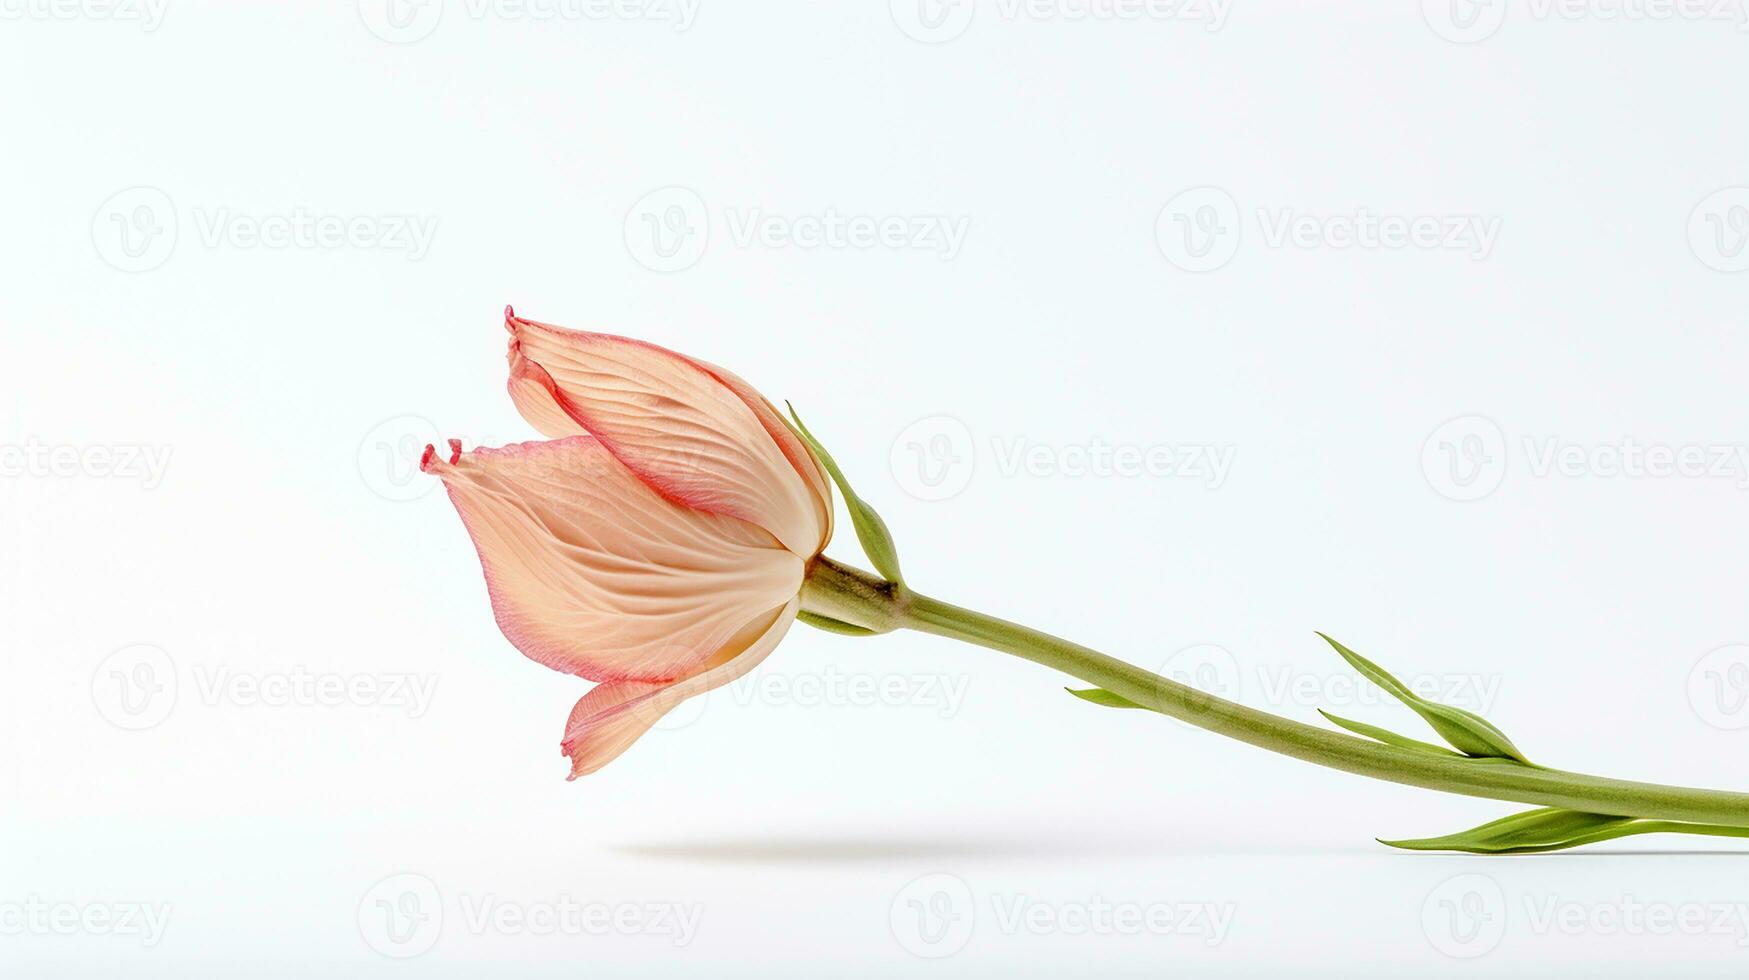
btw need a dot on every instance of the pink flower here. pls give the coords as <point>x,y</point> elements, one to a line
<point>657,544</point>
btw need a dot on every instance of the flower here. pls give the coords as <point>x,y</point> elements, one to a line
<point>657,544</point>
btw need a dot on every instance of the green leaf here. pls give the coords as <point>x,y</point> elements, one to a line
<point>1554,829</point>
<point>1386,736</point>
<point>877,541</point>
<point>1467,732</point>
<point>831,625</point>
<point>1099,695</point>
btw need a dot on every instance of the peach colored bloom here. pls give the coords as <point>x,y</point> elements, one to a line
<point>656,544</point>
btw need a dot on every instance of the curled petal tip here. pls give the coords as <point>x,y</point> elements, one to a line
<point>509,317</point>
<point>428,459</point>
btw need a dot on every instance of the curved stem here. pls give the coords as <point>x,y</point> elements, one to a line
<point>853,596</point>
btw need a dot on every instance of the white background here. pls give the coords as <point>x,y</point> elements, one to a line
<point>1595,612</point>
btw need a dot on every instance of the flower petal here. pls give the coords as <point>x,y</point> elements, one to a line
<point>696,433</point>
<point>612,716</point>
<point>592,573</point>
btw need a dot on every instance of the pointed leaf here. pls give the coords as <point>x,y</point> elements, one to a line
<point>1099,695</point>
<point>1386,736</point>
<point>1554,829</point>
<point>1467,732</point>
<point>831,625</point>
<point>877,541</point>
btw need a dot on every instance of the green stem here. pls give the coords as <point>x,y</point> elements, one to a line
<point>849,595</point>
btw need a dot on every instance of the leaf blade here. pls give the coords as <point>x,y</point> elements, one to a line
<point>831,625</point>
<point>871,530</point>
<point>1466,731</point>
<point>1387,736</point>
<point>1100,696</point>
<point>1554,829</point>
